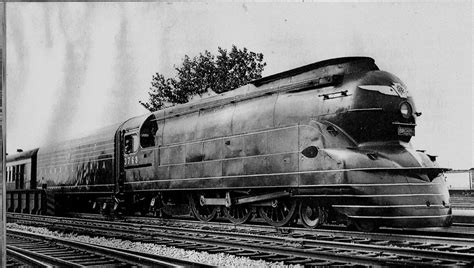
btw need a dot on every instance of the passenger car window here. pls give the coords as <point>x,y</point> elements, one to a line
<point>131,143</point>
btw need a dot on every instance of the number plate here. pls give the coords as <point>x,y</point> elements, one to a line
<point>406,131</point>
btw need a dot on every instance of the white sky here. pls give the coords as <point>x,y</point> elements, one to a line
<point>74,67</point>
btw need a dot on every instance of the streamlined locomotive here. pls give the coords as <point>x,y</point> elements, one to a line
<point>326,142</point>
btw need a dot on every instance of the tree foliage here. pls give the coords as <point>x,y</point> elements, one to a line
<point>195,76</point>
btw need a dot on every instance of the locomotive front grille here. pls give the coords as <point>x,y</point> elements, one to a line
<point>405,129</point>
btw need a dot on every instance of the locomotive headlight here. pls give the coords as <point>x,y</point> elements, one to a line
<point>405,109</point>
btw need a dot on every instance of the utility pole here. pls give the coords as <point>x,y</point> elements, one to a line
<point>3,214</point>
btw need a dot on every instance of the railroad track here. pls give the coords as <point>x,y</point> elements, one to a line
<point>459,230</point>
<point>292,246</point>
<point>434,235</point>
<point>25,248</point>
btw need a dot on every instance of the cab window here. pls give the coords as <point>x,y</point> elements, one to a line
<point>147,134</point>
<point>131,143</point>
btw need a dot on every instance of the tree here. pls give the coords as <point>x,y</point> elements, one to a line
<point>196,76</point>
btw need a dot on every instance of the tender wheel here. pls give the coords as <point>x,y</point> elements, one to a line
<point>238,214</point>
<point>281,213</point>
<point>311,215</point>
<point>202,213</point>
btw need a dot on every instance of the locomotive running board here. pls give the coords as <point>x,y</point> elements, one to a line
<point>431,172</point>
<point>403,169</point>
<point>241,200</point>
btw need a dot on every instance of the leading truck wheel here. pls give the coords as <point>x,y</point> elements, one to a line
<point>202,213</point>
<point>311,215</point>
<point>281,213</point>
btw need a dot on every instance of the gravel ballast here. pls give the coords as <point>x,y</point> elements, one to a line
<point>220,259</point>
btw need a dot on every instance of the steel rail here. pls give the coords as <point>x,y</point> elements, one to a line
<point>42,260</point>
<point>454,235</point>
<point>457,236</point>
<point>22,259</point>
<point>120,256</point>
<point>463,237</point>
<point>351,244</point>
<point>349,249</point>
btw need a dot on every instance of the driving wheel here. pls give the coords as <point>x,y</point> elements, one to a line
<point>238,214</point>
<point>202,213</point>
<point>280,213</point>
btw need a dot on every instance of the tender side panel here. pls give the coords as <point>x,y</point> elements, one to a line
<point>79,165</point>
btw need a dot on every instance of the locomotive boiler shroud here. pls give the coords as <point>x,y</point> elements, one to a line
<point>332,137</point>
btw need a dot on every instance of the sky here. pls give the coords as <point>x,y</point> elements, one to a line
<point>76,67</point>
